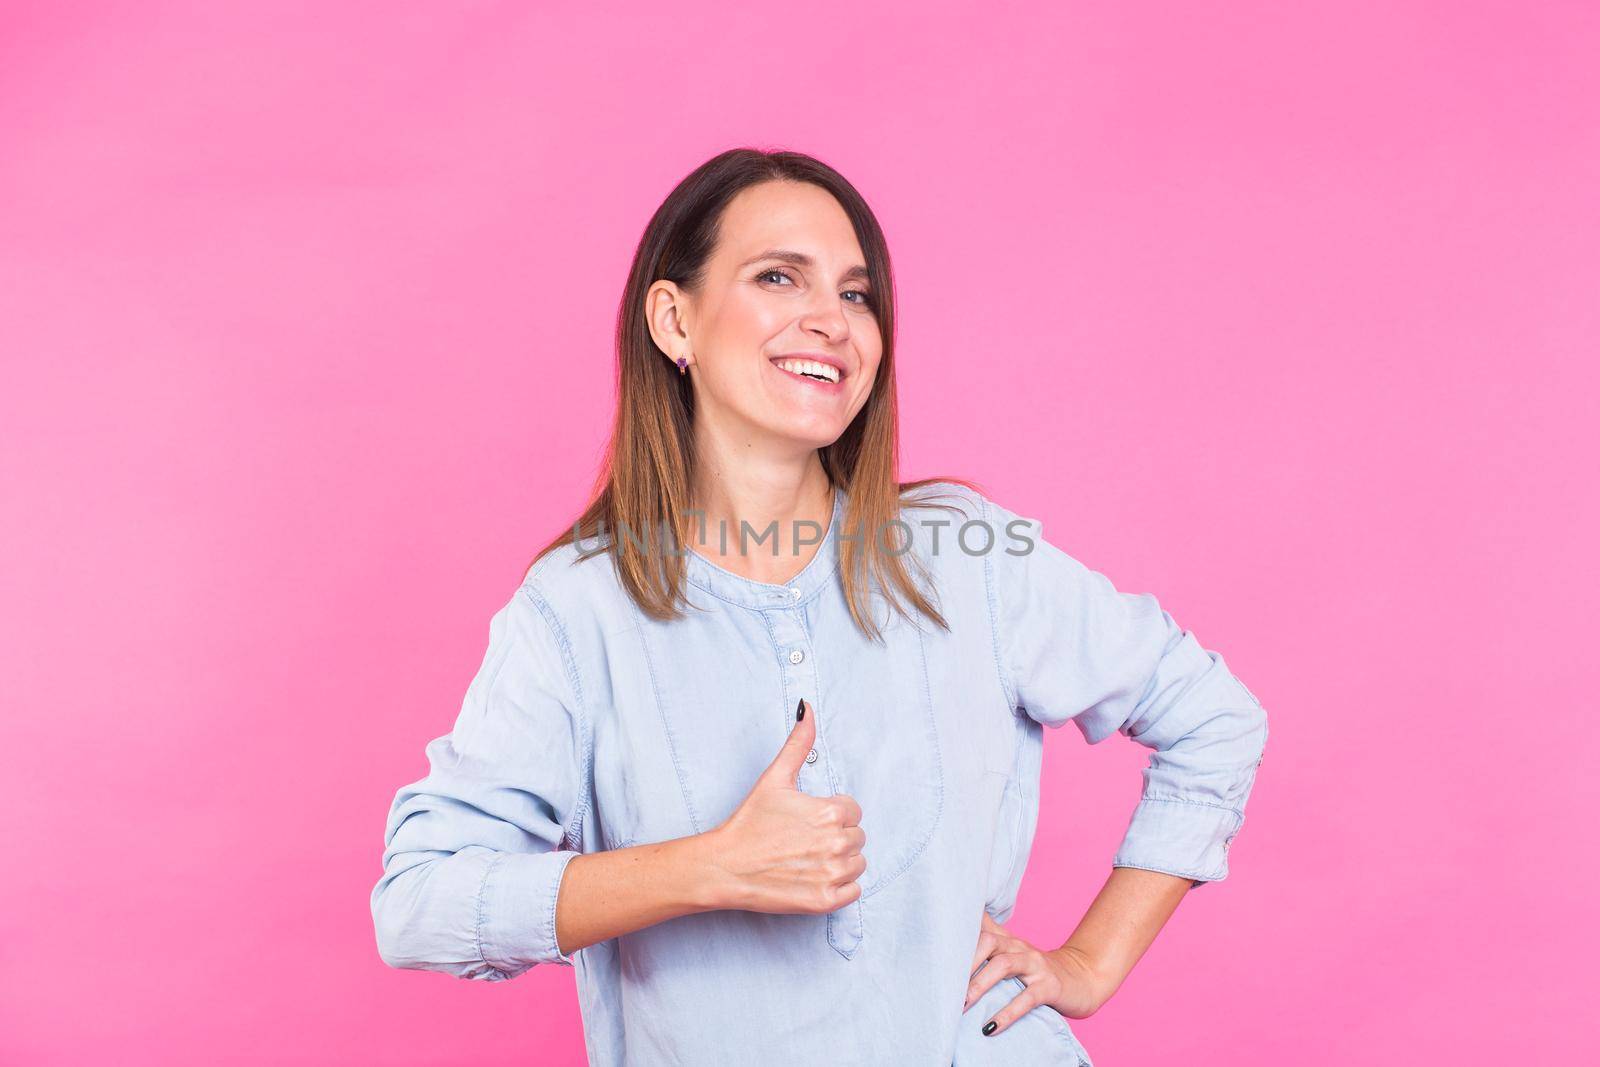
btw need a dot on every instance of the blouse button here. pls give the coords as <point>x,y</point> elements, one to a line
<point>811,757</point>
<point>796,656</point>
<point>795,593</point>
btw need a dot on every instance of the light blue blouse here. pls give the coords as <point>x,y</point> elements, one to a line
<point>590,726</point>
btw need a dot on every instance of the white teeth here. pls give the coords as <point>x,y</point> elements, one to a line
<point>809,366</point>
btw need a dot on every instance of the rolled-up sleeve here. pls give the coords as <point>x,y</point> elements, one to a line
<point>474,853</point>
<point>1073,647</point>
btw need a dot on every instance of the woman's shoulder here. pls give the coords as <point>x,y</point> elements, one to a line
<point>972,502</point>
<point>944,494</point>
<point>963,535</point>
<point>961,505</point>
<point>953,526</point>
<point>574,580</point>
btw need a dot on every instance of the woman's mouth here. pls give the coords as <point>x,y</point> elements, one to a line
<point>810,368</point>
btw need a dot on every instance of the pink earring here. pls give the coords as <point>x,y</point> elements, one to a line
<point>683,366</point>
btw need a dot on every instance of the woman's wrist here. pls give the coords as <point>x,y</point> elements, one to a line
<point>1120,925</point>
<point>709,885</point>
<point>1094,974</point>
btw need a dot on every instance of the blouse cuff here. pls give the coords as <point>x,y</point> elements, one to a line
<point>1185,838</point>
<point>517,910</point>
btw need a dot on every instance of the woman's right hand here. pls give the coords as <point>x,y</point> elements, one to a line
<point>787,852</point>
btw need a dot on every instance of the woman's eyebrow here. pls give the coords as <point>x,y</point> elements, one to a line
<point>800,259</point>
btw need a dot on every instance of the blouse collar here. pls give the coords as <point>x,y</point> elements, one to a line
<point>747,592</point>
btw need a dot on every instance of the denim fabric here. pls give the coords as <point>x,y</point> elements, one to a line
<point>590,726</point>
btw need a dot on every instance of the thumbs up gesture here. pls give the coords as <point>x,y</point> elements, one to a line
<point>787,852</point>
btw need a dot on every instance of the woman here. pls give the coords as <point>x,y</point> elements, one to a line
<point>756,745</point>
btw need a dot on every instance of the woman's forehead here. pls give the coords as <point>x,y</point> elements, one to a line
<point>790,226</point>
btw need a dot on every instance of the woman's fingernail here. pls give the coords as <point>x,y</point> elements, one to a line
<point>988,1027</point>
<point>800,710</point>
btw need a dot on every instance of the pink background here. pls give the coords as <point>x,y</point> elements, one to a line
<point>1286,313</point>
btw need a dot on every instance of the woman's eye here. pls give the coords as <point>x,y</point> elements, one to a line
<point>862,298</point>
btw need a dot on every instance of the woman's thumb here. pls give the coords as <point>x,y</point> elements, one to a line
<point>785,768</point>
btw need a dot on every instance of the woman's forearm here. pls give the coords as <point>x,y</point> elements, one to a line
<point>1127,914</point>
<point>617,891</point>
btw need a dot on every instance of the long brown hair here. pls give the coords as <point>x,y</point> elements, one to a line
<point>645,477</point>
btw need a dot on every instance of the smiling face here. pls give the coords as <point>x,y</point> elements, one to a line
<point>782,337</point>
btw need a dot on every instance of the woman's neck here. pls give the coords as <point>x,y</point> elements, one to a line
<point>773,507</point>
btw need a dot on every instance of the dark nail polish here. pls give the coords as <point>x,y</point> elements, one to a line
<point>988,1027</point>
<point>800,710</point>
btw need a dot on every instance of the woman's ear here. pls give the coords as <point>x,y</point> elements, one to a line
<point>665,307</point>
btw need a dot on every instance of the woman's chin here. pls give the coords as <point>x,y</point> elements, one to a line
<point>808,432</point>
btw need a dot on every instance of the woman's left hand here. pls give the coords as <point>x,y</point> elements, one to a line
<point>1062,978</point>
